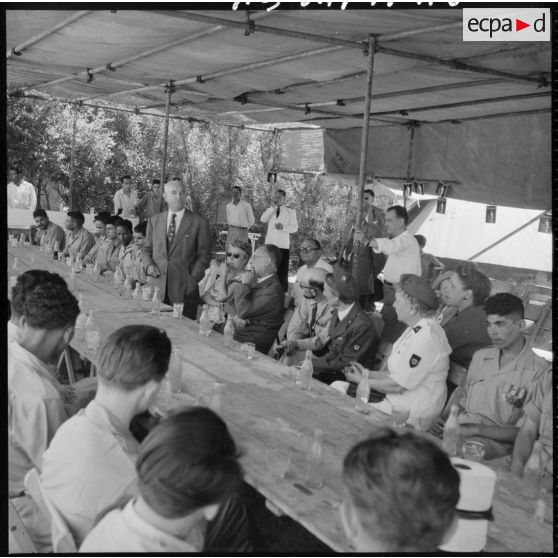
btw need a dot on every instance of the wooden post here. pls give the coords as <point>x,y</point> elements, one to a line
<point>169,88</point>
<point>409,162</point>
<point>73,159</point>
<point>364,148</point>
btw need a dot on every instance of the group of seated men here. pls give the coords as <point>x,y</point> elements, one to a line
<point>178,489</point>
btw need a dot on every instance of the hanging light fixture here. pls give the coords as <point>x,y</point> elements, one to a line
<point>545,223</point>
<point>441,206</point>
<point>490,214</point>
<point>441,192</point>
<point>408,188</point>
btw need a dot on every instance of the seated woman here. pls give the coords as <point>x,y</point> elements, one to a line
<point>221,280</point>
<point>418,364</point>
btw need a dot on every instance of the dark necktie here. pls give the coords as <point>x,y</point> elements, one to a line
<point>277,212</point>
<point>172,230</point>
<point>313,318</point>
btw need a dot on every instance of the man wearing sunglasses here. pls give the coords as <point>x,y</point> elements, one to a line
<point>311,254</point>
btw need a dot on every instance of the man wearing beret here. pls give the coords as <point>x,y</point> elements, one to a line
<point>417,367</point>
<point>352,335</point>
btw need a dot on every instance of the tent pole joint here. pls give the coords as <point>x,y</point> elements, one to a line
<point>543,80</point>
<point>250,25</point>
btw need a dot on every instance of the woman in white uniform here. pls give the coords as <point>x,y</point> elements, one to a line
<point>417,367</point>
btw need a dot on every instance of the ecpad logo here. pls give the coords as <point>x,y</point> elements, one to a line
<point>487,24</point>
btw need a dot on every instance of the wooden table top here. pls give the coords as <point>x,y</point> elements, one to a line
<point>266,412</point>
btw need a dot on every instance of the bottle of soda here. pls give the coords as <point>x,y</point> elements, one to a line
<point>96,272</point>
<point>156,302</point>
<point>72,279</point>
<point>363,394</point>
<point>216,403</point>
<point>127,289</point>
<point>118,277</point>
<point>314,474</point>
<point>55,250</point>
<point>306,371</point>
<point>540,507</point>
<point>452,432</point>
<point>137,297</point>
<point>92,332</point>
<point>228,332</point>
<point>42,243</point>
<point>205,322</point>
<point>532,471</point>
<point>16,268</point>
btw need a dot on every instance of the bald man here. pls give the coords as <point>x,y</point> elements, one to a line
<point>177,250</point>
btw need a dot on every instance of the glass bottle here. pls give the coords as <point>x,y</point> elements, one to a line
<point>16,268</point>
<point>532,471</point>
<point>118,277</point>
<point>156,302</point>
<point>363,394</point>
<point>55,250</point>
<point>306,371</point>
<point>314,466</point>
<point>92,333</point>
<point>96,272</point>
<point>205,322</point>
<point>42,243</point>
<point>228,332</point>
<point>77,263</point>
<point>540,507</point>
<point>137,297</point>
<point>452,432</point>
<point>175,371</point>
<point>72,279</point>
<point>216,403</point>
<point>127,289</point>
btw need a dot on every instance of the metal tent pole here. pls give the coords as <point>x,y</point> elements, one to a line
<point>409,162</point>
<point>169,89</point>
<point>364,147</point>
<point>73,158</point>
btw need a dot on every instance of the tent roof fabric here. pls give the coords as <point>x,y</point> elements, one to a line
<point>213,62</point>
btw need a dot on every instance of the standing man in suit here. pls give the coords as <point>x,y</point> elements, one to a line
<point>282,222</point>
<point>260,301</point>
<point>177,250</point>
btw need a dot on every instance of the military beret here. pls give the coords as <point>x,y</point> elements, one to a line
<point>345,283</point>
<point>419,289</point>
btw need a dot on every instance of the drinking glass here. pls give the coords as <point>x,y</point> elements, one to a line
<point>473,451</point>
<point>249,349</point>
<point>177,309</point>
<point>175,371</point>
<point>399,415</point>
<point>279,462</point>
<point>32,259</point>
<point>93,339</point>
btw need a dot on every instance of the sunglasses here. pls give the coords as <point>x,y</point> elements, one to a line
<point>235,256</point>
<point>307,249</point>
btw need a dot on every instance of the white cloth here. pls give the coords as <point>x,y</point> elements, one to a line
<point>123,530</point>
<point>419,362</point>
<point>301,274</point>
<point>14,332</point>
<point>403,256</point>
<point>35,412</point>
<point>287,217</point>
<point>179,215</point>
<point>342,314</point>
<point>22,196</point>
<point>126,202</point>
<point>240,214</point>
<point>262,279</point>
<point>89,465</point>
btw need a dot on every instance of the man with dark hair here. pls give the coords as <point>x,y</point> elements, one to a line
<point>491,408</point>
<point>100,221</point>
<point>105,251</point>
<point>36,403</point>
<point>352,336</point>
<point>138,240</point>
<point>126,253</point>
<point>281,223</point>
<point>429,264</point>
<point>311,254</point>
<point>78,240</point>
<point>93,454</point>
<point>21,194</point>
<point>25,284</point>
<point>402,491</point>
<point>403,256</point>
<point>240,216</point>
<point>192,455</point>
<point>126,199</point>
<point>260,300</point>
<point>153,202</point>
<point>44,228</point>
<point>177,250</point>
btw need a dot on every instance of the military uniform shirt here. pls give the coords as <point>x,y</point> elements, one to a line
<point>299,326</point>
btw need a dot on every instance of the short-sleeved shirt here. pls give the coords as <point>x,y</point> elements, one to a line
<point>53,233</point>
<point>483,397</point>
<point>89,466</point>
<point>466,333</point>
<point>22,196</point>
<point>79,243</point>
<point>310,325</point>
<point>126,257</point>
<point>123,530</point>
<point>126,202</point>
<point>539,410</point>
<point>35,412</point>
<point>419,362</point>
<point>105,252</point>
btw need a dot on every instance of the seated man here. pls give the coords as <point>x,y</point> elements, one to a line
<point>402,491</point>
<point>259,301</point>
<point>100,221</point>
<point>126,253</point>
<point>536,423</point>
<point>78,240</point>
<point>311,255</point>
<point>36,404</point>
<point>139,238</point>
<point>351,336</point>
<point>44,228</point>
<point>490,412</point>
<point>105,251</point>
<point>187,468</point>
<point>309,325</point>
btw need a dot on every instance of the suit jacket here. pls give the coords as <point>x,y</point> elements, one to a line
<point>183,266</point>
<point>262,303</point>
<point>355,339</point>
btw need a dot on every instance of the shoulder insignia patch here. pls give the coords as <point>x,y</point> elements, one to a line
<point>356,347</point>
<point>417,329</point>
<point>414,361</point>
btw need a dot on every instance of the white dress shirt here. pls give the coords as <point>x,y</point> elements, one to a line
<point>279,237</point>
<point>342,314</point>
<point>126,202</point>
<point>240,214</point>
<point>22,196</point>
<point>179,215</point>
<point>403,256</point>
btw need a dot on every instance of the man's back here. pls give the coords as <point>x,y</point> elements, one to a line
<point>89,465</point>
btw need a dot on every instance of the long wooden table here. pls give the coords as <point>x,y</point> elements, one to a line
<point>265,411</point>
